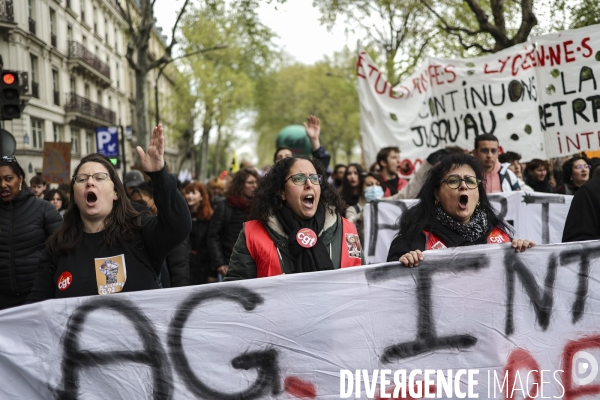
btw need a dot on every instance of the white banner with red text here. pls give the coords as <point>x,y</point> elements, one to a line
<point>540,101</point>
<point>473,321</point>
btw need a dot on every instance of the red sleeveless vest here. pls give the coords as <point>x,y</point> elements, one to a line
<point>497,235</point>
<point>268,263</point>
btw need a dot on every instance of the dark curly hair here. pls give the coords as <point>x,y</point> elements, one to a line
<point>268,193</point>
<point>423,215</point>
<point>63,197</point>
<point>236,186</point>
<point>567,167</point>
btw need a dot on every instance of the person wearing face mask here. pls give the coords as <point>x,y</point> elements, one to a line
<point>372,189</point>
<point>295,226</point>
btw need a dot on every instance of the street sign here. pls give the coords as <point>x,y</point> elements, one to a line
<point>107,141</point>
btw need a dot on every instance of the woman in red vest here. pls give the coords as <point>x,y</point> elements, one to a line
<point>454,211</point>
<point>295,225</point>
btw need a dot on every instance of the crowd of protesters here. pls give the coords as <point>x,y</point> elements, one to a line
<point>302,215</point>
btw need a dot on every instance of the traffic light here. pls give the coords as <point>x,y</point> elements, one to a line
<point>10,102</point>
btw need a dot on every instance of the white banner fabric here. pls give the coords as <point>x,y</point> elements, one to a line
<point>483,310</point>
<point>541,102</point>
<point>536,216</point>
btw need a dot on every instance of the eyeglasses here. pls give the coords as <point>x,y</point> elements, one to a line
<point>453,181</point>
<point>9,159</point>
<point>586,166</point>
<point>300,179</point>
<point>99,177</point>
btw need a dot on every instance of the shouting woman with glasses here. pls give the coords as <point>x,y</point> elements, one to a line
<point>104,246</point>
<point>453,211</point>
<point>25,223</point>
<point>296,225</point>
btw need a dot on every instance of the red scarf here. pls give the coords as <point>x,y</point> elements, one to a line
<point>241,203</point>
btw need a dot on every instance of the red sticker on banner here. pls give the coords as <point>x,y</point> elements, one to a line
<point>306,238</point>
<point>64,280</point>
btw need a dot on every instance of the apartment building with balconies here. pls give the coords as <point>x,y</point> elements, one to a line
<point>70,55</point>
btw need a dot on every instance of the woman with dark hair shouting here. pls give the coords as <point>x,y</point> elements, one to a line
<point>296,225</point>
<point>25,223</point>
<point>104,246</point>
<point>453,211</point>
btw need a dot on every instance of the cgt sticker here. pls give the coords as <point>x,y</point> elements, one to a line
<point>64,280</point>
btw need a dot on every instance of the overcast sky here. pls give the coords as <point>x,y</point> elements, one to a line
<point>300,34</point>
<point>296,22</point>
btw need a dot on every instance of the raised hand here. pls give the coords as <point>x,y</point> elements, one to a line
<point>313,131</point>
<point>153,159</point>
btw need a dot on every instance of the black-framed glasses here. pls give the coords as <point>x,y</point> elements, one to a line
<point>453,181</point>
<point>582,166</point>
<point>99,177</point>
<point>9,159</point>
<point>300,179</point>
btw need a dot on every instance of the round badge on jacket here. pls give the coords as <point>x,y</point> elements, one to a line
<point>306,238</point>
<point>64,280</point>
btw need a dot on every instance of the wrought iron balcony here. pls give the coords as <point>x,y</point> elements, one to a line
<point>32,25</point>
<point>78,51</point>
<point>7,13</point>
<point>85,107</point>
<point>53,39</point>
<point>35,89</point>
<point>57,97</point>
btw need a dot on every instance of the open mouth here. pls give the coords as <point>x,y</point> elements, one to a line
<point>309,201</point>
<point>5,193</point>
<point>463,201</point>
<point>91,198</point>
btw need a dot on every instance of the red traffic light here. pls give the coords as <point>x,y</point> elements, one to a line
<point>9,78</point>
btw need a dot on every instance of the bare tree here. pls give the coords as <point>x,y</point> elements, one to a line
<point>140,29</point>
<point>399,29</point>
<point>477,31</point>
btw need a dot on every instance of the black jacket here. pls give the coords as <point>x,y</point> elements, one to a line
<point>400,246</point>
<point>144,256</point>
<point>583,220</point>
<point>178,264</point>
<point>226,224</point>
<point>200,266</point>
<point>25,224</point>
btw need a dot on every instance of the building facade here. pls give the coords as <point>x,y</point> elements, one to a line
<point>74,77</point>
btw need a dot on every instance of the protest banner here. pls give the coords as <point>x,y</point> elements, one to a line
<point>483,318</point>
<point>536,216</point>
<point>57,162</point>
<point>539,101</point>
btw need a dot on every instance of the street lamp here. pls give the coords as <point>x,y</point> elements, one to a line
<point>162,68</point>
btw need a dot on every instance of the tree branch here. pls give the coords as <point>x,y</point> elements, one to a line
<point>528,21</point>
<point>169,48</point>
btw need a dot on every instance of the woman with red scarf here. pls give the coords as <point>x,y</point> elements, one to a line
<point>229,217</point>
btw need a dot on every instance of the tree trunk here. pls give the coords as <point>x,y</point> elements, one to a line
<point>217,152</point>
<point>204,144</point>
<point>141,104</point>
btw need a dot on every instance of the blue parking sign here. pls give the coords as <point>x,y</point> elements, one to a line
<point>107,141</point>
